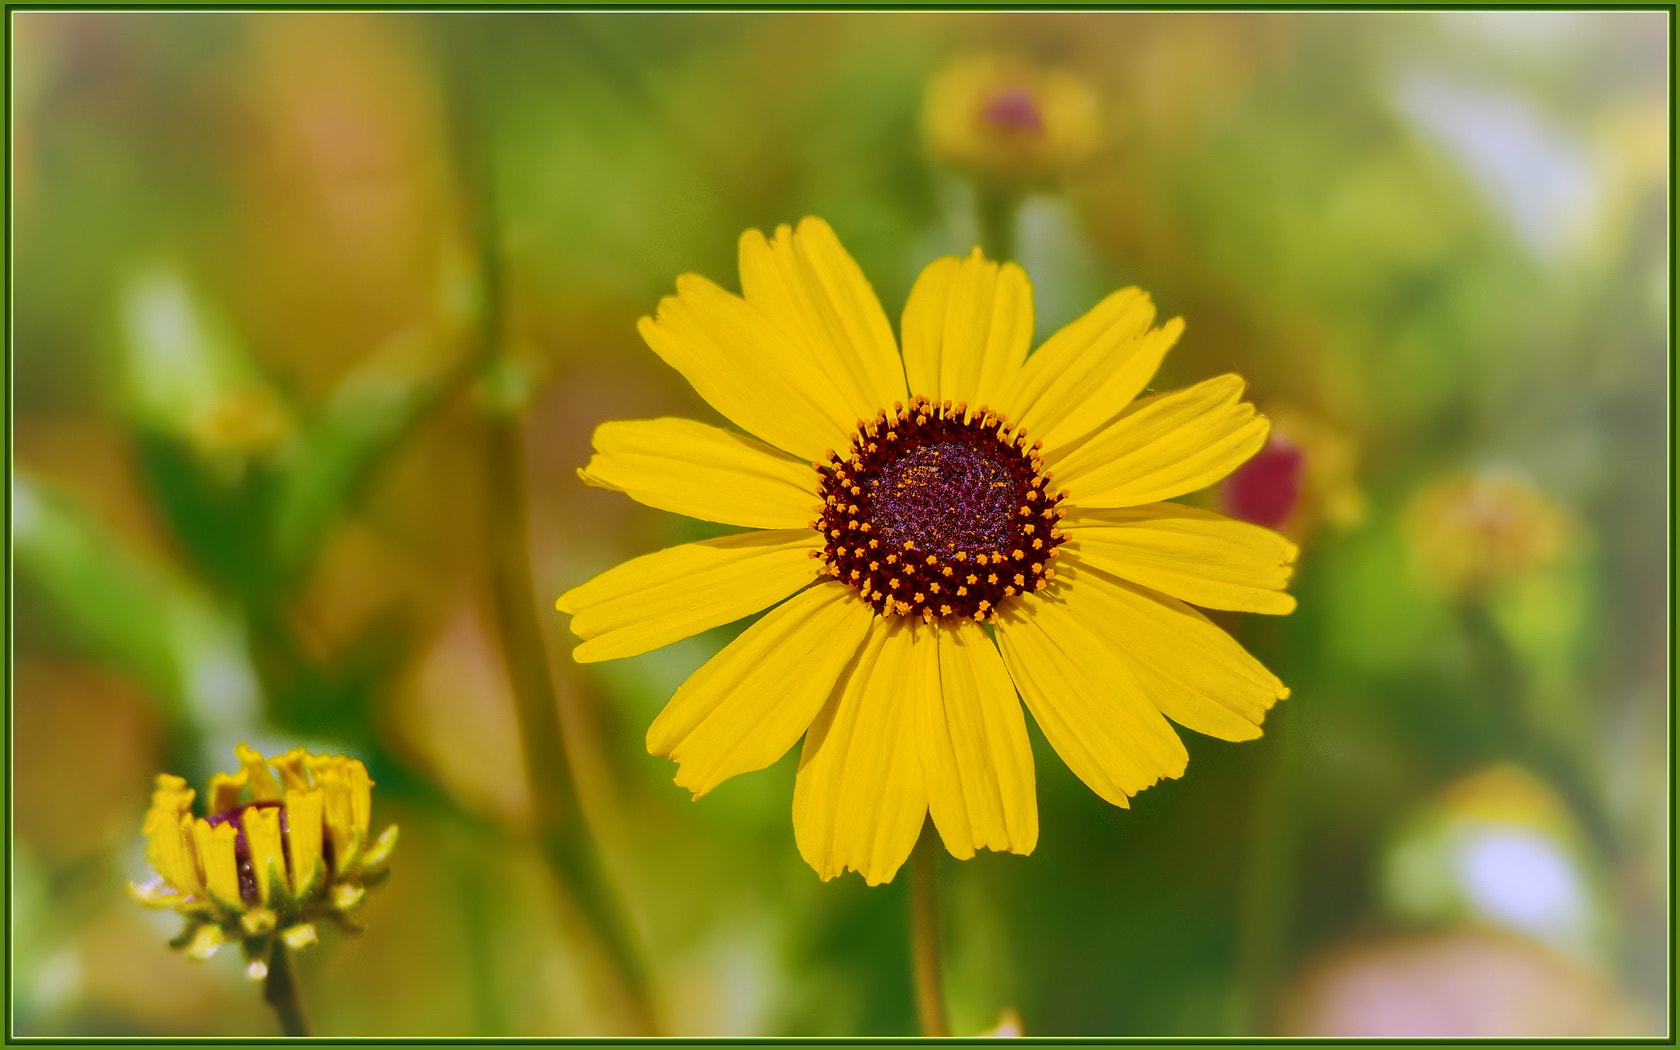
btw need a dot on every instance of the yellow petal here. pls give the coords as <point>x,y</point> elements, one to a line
<point>1085,374</point>
<point>264,788</point>
<point>1087,703</point>
<point>221,868</point>
<point>967,328</point>
<point>859,799</point>
<point>204,941</point>
<point>378,855</point>
<point>258,921</point>
<point>704,472</point>
<point>1194,555</point>
<point>806,283</point>
<point>1194,672</point>
<point>168,831</point>
<point>361,796</point>
<point>747,705</point>
<point>338,807</point>
<point>1082,347</point>
<point>1162,446</point>
<point>746,367</point>
<point>972,739</point>
<point>226,789</point>
<point>304,835</point>
<point>658,598</point>
<point>293,767</point>
<point>153,893</point>
<point>268,858</point>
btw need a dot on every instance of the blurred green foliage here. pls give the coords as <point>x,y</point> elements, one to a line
<point>249,495</point>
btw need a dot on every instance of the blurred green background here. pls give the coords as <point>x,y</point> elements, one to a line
<point>258,494</point>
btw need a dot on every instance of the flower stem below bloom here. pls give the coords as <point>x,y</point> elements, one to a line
<point>996,210</point>
<point>281,992</point>
<point>924,934</point>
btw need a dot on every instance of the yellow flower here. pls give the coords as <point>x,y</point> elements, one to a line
<point>1471,533</point>
<point>1006,120</point>
<point>273,856</point>
<point>942,560</point>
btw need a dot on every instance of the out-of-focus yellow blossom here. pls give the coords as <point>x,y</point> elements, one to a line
<point>241,425</point>
<point>1008,121</point>
<point>1306,476</point>
<point>284,845</point>
<point>1501,848</point>
<point>1509,794</point>
<point>1469,534</point>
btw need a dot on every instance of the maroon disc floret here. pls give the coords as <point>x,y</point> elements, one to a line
<point>235,815</point>
<point>936,510</point>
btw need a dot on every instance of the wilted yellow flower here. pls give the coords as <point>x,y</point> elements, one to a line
<point>273,855</point>
<point>1008,121</point>
<point>1471,533</point>
<point>934,559</point>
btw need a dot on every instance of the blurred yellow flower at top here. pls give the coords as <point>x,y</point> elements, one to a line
<point>283,845</point>
<point>1007,121</point>
<point>1469,534</point>
<point>991,524</point>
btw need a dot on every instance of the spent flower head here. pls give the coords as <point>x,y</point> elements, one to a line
<point>1007,121</point>
<point>938,530</point>
<point>1304,477</point>
<point>282,845</point>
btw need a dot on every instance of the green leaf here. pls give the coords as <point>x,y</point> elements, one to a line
<point>183,372</point>
<point>139,617</point>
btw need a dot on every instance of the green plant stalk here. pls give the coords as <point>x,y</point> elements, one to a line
<point>996,209</point>
<point>1264,910</point>
<point>1500,676</point>
<point>280,991</point>
<point>924,934</point>
<point>567,843</point>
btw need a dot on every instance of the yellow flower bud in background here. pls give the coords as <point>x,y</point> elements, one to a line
<point>284,845</point>
<point>1469,534</point>
<point>241,425</point>
<point>1009,122</point>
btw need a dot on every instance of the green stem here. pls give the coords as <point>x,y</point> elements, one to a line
<point>281,992</point>
<point>568,845</point>
<point>1264,909</point>
<point>1500,677</point>
<point>924,933</point>
<point>996,210</point>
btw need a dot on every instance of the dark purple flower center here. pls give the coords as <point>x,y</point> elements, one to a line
<point>935,511</point>
<point>235,815</point>
<point>947,496</point>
